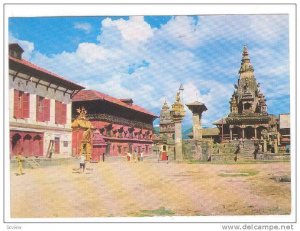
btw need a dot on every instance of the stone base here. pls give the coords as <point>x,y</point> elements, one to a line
<point>196,150</point>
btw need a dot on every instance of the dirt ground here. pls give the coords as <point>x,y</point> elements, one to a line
<point>151,189</point>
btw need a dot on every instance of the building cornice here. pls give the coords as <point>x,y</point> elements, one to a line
<point>21,126</point>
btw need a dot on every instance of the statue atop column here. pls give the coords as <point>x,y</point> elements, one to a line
<point>178,114</point>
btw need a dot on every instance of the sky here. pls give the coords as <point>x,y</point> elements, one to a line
<point>146,58</point>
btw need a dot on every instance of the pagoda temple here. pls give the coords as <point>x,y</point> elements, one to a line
<point>248,117</point>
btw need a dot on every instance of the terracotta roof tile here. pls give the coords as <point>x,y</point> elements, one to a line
<point>88,95</point>
<point>35,67</point>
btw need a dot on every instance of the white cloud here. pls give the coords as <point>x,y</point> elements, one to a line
<point>133,30</point>
<point>183,29</point>
<point>86,27</point>
<point>90,52</point>
<point>172,57</point>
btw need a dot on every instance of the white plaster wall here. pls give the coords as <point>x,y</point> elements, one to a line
<point>29,87</point>
<point>63,136</point>
<point>21,85</point>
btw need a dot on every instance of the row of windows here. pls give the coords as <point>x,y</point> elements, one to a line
<point>22,108</point>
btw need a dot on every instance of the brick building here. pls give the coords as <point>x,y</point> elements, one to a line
<point>39,108</point>
<point>122,126</point>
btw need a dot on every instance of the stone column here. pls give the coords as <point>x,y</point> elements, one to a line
<point>230,133</point>
<point>178,141</point>
<point>197,109</point>
<point>265,145</point>
<point>255,133</point>
<point>177,114</point>
<point>243,133</point>
<point>197,133</point>
<point>275,146</point>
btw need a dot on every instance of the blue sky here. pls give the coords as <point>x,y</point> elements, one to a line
<point>147,58</point>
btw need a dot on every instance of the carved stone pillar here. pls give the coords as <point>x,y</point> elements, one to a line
<point>178,141</point>
<point>265,146</point>
<point>243,133</point>
<point>275,146</point>
<point>197,109</point>
<point>177,114</point>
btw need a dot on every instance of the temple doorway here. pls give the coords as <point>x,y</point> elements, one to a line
<point>259,130</point>
<point>235,133</point>
<point>249,132</point>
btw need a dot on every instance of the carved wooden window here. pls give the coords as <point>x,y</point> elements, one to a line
<point>42,109</point>
<point>21,104</point>
<point>60,113</point>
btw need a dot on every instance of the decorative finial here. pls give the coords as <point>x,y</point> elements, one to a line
<point>82,113</point>
<point>178,97</point>
<point>245,50</point>
<point>181,87</point>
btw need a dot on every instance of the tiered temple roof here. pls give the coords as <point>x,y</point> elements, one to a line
<point>247,102</point>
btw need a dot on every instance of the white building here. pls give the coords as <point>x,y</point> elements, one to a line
<point>40,108</point>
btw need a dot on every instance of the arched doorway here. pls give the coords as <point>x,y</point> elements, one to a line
<point>259,130</point>
<point>16,144</point>
<point>249,132</point>
<point>37,146</point>
<point>27,145</point>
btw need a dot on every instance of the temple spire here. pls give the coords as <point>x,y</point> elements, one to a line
<point>246,66</point>
<point>245,54</point>
<point>165,105</point>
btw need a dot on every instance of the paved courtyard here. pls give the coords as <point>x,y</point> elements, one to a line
<point>151,189</point>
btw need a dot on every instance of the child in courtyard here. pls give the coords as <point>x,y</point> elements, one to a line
<point>128,156</point>
<point>82,162</point>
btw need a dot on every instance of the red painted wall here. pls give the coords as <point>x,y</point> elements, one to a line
<point>26,143</point>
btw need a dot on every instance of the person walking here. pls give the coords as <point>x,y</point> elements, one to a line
<point>103,157</point>
<point>82,159</point>
<point>256,149</point>
<point>134,156</point>
<point>238,149</point>
<point>19,158</point>
<point>82,162</point>
<point>142,156</point>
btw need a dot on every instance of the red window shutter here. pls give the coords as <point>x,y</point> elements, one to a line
<point>60,113</point>
<point>57,109</point>
<point>64,113</point>
<point>39,108</point>
<point>25,105</point>
<point>46,109</point>
<point>17,104</point>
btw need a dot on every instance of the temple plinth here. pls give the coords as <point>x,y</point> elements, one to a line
<point>197,109</point>
<point>177,114</point>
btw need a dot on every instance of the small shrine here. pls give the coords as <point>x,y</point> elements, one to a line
<point>86,139</point>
